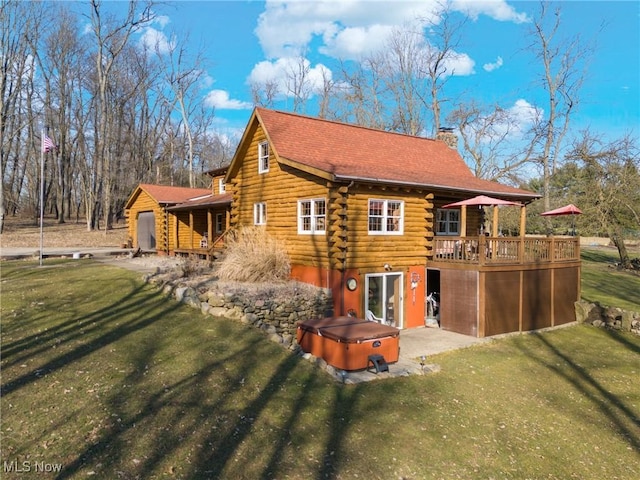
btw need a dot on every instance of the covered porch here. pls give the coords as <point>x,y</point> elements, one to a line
<point>201,226</point>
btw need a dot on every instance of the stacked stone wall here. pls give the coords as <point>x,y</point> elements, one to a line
<point>274,310</point>
<point>607,317</point>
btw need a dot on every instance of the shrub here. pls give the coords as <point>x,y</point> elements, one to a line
<point>192,266</point>
<point>252,255</point>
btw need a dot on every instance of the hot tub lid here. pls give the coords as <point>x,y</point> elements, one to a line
<point>359,332</point>
<point>316,324</point>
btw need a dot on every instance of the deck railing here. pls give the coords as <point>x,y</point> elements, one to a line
<point>505,250</point>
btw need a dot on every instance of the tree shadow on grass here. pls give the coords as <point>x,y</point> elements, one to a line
<point>344,406</point>
<point>143,309</point>
<point>622,417</point>
<point>209,407</point>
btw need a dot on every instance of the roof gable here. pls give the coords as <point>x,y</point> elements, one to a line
<point>350,152</point>
<point>165,194</point>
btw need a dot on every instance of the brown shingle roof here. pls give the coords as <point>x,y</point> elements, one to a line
<point>202,202</point>
<point>350,152</point>
<point>166,194</point>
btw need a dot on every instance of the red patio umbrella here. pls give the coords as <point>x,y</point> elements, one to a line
<point>570,209</point>
<point>482,201</point>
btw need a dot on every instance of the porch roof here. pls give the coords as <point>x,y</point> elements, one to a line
<point>204,202</point>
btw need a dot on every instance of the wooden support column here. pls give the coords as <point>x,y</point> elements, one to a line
<point>209,226</point>
<point>191,229</point>
<point>523,231</point>
<point>494,223</point>
<point>463,221</point>
<point>176,235</point>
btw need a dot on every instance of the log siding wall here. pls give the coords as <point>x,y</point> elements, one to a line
<point>145,203</point>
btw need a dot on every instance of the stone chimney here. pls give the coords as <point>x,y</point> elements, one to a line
<point>446,135</point>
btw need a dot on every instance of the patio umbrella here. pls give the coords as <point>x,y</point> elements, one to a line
<point>570,209</point>
<point>482,201</point>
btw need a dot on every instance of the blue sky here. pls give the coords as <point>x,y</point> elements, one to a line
<point>245,40</point>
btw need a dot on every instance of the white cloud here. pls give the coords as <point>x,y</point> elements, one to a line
<point>281,71</point>
<point>490,67</point>
<point>156,40</point>
<point>286,28</point>
<point>220,99</point>
<point>526,112</point>
<point>460,64</point>
<point>352,42</point>
<point>496,9</point>
<point>350,28</point>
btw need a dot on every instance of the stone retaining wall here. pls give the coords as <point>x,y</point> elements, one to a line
<point>607,317</point>
<point>275,310</point>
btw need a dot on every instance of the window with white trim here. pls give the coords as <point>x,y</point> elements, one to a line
<point>312,216</point>
<point>263,157</point>
<point>386,217</point>
<point>222,187</point>
<point>447,221</point>
<point>260,213</point>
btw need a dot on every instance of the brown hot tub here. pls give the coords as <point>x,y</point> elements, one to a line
<point>347,342</point>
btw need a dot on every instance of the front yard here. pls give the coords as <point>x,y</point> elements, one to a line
<point>105,377</point>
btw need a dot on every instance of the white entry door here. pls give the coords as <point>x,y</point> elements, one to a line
<point>384,299</point>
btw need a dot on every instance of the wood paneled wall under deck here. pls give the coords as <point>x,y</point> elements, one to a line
<point>489,302</point>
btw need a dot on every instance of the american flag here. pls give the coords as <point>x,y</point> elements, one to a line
<point>47,144</point>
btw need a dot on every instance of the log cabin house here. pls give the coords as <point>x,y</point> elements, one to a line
<point>179,220</point>
<point>360,212</point>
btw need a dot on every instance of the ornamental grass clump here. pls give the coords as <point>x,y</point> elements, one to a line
<point>254,256</point>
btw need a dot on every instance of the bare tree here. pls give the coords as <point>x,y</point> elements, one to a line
<point>184,76</point>
<point>563,69</point>
<point>111,37</point>
<point>495,143</point>
<point>264,94</point>
<point>18,24</point>
<point>444,39</point>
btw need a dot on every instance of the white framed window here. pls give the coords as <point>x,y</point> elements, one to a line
<point>386,217</point>
<point>312,216</point>
<point>263,157</point>
<point>219,223</point>
<point>447,221</point>
<point>222,187</point>
<point>260,213</point>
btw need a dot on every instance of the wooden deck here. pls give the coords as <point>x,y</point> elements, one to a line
<point>517,251</point>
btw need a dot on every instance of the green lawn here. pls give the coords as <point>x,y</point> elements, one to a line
<point>105,377</point>
<point>603,283</point>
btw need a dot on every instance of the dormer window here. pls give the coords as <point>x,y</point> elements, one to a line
<point>263,157</point>
<point>221,186</point>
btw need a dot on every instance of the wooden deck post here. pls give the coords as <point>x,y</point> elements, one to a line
<point>463,221</point>
<point>494,226</point>
<point>523,231</point>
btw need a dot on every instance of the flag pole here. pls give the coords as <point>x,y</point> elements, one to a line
<point>42,193</point>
